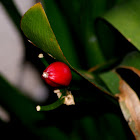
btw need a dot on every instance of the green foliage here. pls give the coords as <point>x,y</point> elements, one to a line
<point>43,35</point>
<point>125,18</point>
<point>103,94</point>
<point>112,80</point>
<point>63,37</point>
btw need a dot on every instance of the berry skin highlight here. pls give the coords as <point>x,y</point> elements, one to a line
<point>57,74</point>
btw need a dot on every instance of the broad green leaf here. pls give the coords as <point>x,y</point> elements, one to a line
<point>87,16</point>
<point>117,30</point>
<point>111,80</point>
<point>112,43</point>
<point>131,61</point>
<point>125,18</point>
<point>36,27</point>
<point>81,15</point>
<point>95,80</point>
<point>82,25</point>
<point>61,31</point>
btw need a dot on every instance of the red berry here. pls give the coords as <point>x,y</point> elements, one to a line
<point>57,74</point>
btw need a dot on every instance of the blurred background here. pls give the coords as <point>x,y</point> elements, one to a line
<point>12,53</point>
<point>21,86</point>
<point>15,67</point>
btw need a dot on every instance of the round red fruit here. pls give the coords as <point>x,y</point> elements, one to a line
<point>57,74</point>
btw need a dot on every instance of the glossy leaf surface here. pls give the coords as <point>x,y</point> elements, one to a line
<point>37,28</point>
<point>41,34</point>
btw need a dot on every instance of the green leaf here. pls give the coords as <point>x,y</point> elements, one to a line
<point>128,100</point>
<point>112,43</point>
<point>111,79</point>
<point>82,25</point>
<point>125,18</point>
<point>117,30</point>
<point>95,80</point>
<point>61,31</point>
<point>81,16</point>
<point>132,61</point>
<point>36,27</point>
<point>127,97</point>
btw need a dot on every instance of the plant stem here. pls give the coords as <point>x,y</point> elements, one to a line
<point>43,60</point>
<point>51,106</point>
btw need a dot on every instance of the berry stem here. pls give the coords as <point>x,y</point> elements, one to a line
<point>51,106</point>
<point>43,60</point>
